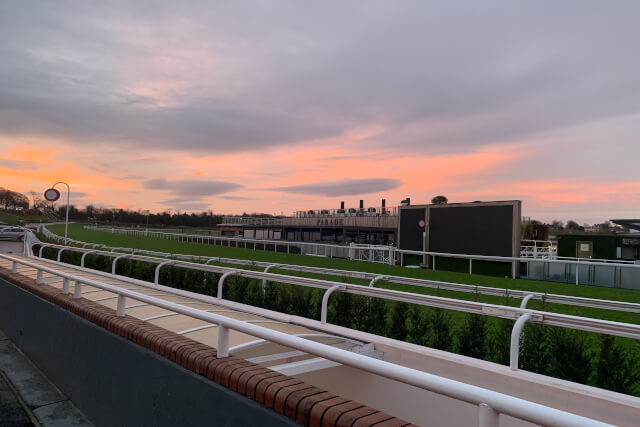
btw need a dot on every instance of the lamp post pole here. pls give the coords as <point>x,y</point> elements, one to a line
<point>66,223</point>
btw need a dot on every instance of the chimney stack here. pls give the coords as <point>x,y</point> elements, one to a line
<point>361,204</point>
<point>342,205</point>
<point>384,203</point>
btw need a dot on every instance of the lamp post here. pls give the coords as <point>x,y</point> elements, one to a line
<point>52,195</point>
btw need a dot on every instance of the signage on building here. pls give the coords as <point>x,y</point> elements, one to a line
<point>330,221</point>
<point>631,242</point>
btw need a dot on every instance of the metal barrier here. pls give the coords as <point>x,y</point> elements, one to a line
<point>371,253</point>
<point>542,317</point>
<point>374,278</point>
<point>490,404</point>
<point>596,273</point>
<point>618,274</point>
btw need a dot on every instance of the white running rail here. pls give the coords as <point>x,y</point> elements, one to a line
<point>490,403</point>
<point>542,317</point>
<point>375,277</point>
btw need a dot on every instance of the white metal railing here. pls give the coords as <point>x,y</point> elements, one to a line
<point>490,403</point>
<point>372,253</point>
<point>633,281</point>
<point>386,254</point>
<point>537,249</point>
<point>375,277</point>
<point>542,317</point>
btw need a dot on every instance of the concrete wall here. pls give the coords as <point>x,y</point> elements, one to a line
<point>113,381</point>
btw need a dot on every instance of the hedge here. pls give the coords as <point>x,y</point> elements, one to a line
<point>582,357</point>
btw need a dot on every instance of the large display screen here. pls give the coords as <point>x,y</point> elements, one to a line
<point>472,230</point>
<point>410,230</point>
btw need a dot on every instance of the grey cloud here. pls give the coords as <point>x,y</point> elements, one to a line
<point>190,192</point>
<point>435,75</point>
<point>16,164</point>
<point>343,187</point>
<point>235,198</point>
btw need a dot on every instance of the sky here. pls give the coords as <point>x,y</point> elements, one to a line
<point>277,106</point>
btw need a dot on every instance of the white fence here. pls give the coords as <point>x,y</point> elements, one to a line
<point>608,274</point>
<point>372,277</point>
<point>371,253</point>
<point>490,404</point>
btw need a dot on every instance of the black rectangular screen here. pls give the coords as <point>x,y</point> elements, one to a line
<point>410,231</point>
<point>472,230</point>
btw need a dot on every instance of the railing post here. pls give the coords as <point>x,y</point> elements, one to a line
<point>470,266</point>
<point>526,299</point>
<point>157,273</point>
<point>41,249</point>
<point>577,275</point>
<point>223,342</point>
<point>65,285</point>
<point>39,277</point>
<point>515,340</point>
<point>433,262</point>
<point>77,291</point>
<point>488,417</point>
<point>121,305</point>
<point>264,281</point>
<point>221,281</point>
<point>14,267</point>
<point>374,280</point>
<point>113,266</point>
<point>325,301</point>
<point>60,254</point>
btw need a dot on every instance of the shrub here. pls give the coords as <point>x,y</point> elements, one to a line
<point>472,336</point>
<point>439,329</point>
<point>398,321</point>
<point>617,369</point>
<point>569,358</point>
<point>419,326</point>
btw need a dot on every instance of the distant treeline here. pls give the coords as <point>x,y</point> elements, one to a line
<point>124,217</point>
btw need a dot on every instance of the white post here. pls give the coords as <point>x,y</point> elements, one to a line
<point>264,281</point>
<point>374,280</point>
<point>66,223</point>
<point>39,277</point>
<point>14,267</point>
<point>223,341</point>
<point>77,291</point>
<point>577,277</point>
<point>515,341</point>
<point>221,281</point>
<point>157,273</point>
<point>65,286</point>
<point>121,305</point>
<point>470,266</point>
<point>325,301</point>
<point>488,417</point>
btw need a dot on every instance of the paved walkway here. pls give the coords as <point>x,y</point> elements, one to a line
<point>28,398</point>
<point>11,247</point>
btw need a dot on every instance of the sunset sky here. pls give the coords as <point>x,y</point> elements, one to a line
<point>273,106</point>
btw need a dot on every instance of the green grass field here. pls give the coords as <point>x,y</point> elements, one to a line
<point>76,231</point>
<point>18,219</point>
<point>579,356</point>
